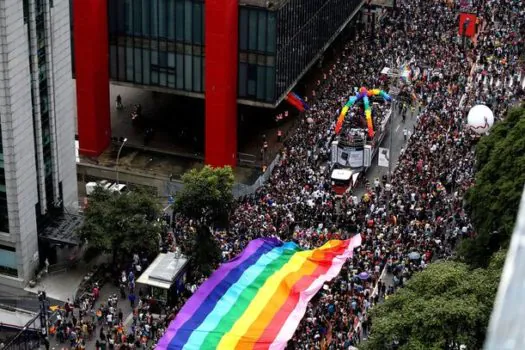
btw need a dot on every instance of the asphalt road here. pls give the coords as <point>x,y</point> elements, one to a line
<point>396,141</point>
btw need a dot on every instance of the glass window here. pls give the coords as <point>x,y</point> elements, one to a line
<point>272,33</point>
<point>243,77</point>
<point>170,17</point>
<point>171,79</point>
<point>252,77</point>
<point>179,20</point>
<point>197,73</point>
<point>163,77</point>
<point>154,76</point>
<point>188,81</point>
<point>162,19</point>
<point>188,9</point>
<point>113,62</point>
<point>261,31</point>
<point>243,29</point>
<point>125,17</point>
<point>138,66</point>
<point>146,17</point>
<point>163,59</point>
<point>8,257</point>
<point>129,63</point>
<point>261,75</point>
<point>252,30</point>
<point>137,17</point>
<point>171,60</point>
<point>154,58</point>
<point>146,64</point>
<point>197,23</point>
<point>179,69</point>
<point>121,63</point>
<point>154,18</point>
<point>270,83</point>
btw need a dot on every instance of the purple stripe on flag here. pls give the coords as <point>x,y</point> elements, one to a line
<point>193,304</point>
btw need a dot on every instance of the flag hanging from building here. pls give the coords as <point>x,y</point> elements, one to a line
<point>257,299</point>
<point>297,102</point>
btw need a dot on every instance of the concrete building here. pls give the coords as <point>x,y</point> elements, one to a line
<point>229,52</point>
<point>37,160</point>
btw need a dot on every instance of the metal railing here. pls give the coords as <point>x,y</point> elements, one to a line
<point>240,190</point>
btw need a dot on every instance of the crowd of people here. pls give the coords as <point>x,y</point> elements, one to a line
<point>405,224</point>
<point>418,216</point>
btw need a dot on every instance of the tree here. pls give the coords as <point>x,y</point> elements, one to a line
<point>207,195</point>
<point>207,199</point>
<point>442,307</point>
<point>122,223</point>
<point>494,199</point>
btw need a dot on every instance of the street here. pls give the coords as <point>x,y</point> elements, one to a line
<point>398,143</point>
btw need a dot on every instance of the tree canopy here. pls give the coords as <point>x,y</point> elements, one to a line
<point>442,307</point>
<point>122,223</point>
<point>207,195</point>
<point>207,199</point>
<point>494,199</point>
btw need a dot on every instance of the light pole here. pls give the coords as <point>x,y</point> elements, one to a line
<point>118,157</point>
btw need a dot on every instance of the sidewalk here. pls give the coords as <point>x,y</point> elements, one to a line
<point>106,291</point>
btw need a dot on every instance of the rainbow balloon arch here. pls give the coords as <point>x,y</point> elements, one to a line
<point>363,95</point>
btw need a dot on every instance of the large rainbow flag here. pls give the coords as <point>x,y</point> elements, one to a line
<point>256,300</point>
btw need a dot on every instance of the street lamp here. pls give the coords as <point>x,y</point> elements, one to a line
<point>118,156</point>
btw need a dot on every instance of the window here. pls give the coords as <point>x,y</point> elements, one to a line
<point>272,33</point>
<point>8,261</point>
<point>137,17</point>
<point>252,30</point>
<point>179,20</point>
<point>243,29</point>
<point>197,73</point>
<point>197,23</point>
<point>261,31</point>
<point>162,17</point>
<point>243,77</point>
<point>188,9</point>
<point>188,82</point>
<point>261,76</point>
<point>270,83</point>
<point>170,18</point>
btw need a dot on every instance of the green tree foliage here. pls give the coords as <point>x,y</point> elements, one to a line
<point>207,199</point>
<point>122,223</point>
<point>207,195</point>
<point>493,201</point>
<point>446,305</point>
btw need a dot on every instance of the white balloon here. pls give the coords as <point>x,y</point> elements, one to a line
<point>480,119</point>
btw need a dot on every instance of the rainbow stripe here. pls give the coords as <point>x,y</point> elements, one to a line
<point>256,300</point>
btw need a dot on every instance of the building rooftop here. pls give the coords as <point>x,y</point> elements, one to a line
<point>270,4</point>
<point>163,270</point>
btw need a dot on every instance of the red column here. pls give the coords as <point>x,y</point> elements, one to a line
<point>90,32</point>
<point>221,82</point>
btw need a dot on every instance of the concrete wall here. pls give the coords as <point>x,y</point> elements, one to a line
<point>17,136</point>
<point>163,186</point>
<point>18,129</point>
<point>64,101</point>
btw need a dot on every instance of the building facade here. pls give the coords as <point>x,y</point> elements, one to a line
<point>188,47</point>
<point>37,160</point>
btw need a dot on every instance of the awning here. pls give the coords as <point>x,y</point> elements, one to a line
<point>62,229</point>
